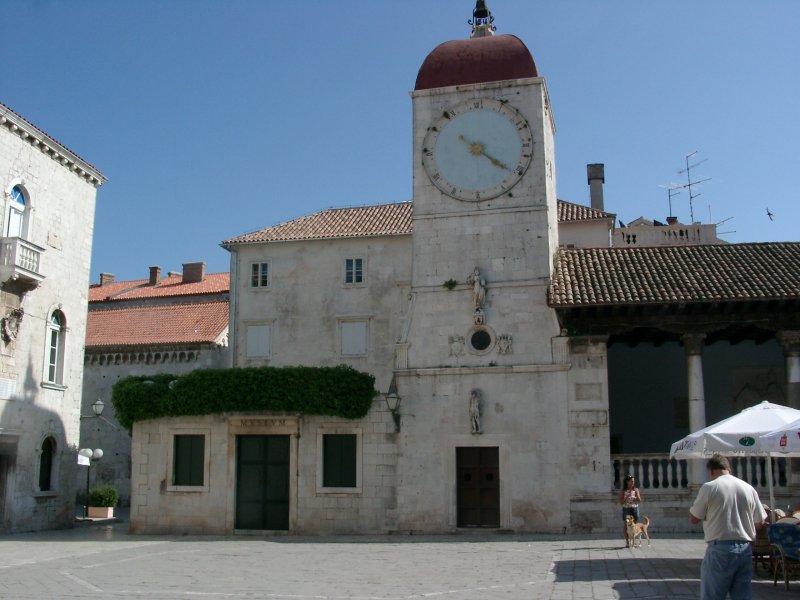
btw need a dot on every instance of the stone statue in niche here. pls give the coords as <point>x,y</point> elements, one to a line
<point>504,342</point>
<point>456,345</point>
<point>478,289</point>
<point>475,410</point>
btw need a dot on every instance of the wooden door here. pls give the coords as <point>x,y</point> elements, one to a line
<point>262,482</point>
<point>478,486</point>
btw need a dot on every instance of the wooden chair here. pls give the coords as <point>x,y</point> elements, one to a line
<point>762,549</point>
<point>784,540</point>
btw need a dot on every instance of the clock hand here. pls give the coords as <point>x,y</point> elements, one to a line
<point>476,149</point>
<point>496,162</point>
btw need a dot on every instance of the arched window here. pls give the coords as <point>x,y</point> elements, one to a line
<point>46,461</point>
<point>56,332</point>
<point>17,220</point>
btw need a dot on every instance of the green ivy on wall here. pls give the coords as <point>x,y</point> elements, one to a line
<point>338,391</point>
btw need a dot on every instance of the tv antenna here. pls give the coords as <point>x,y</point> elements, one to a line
<point>673,189</point>
<point>689,183</point>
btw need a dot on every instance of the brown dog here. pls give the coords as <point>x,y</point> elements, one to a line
<point>636,531</point>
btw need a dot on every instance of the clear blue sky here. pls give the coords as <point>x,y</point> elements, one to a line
<point>211,119</point>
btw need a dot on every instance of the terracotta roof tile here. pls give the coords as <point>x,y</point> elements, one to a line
<point>213,283</point>
<point>675,274</point>
<point>152,325</point>
<point>362,221</point>
<point>568,211</point>
<point>367,221</point>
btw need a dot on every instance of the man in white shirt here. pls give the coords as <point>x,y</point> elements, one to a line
<point>731,512</point>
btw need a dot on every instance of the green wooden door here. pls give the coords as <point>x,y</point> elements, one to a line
<point>262,482</point>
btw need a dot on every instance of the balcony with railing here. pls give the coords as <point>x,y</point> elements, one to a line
<point>659,473</point>
<point>20,261</point>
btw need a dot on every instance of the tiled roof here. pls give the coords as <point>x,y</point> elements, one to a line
<point>367,221</point>
<point>153,325</point>
<point>362,221</point>
<point>171,286</point>
<point>567,211</point>
<point>675,274</point>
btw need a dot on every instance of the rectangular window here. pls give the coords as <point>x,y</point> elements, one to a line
<point>339,460</point>
<point>52,359</point>
<point>259,275</point>
<point>353,336</point>
<point>188,459</point>
<point>259,341</point>
<point>354,270</point>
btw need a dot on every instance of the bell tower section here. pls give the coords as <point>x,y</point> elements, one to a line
<point>485,219</point>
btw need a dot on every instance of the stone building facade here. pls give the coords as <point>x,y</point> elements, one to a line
<point>174,323</point>
<point>488,312</point>
<point>48,203</point>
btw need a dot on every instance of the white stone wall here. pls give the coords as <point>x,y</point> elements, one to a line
<point>585,234</point>
<point>61,222</point>
<point>155,508</point>
<point>101,372</point>
<point>307,300</point>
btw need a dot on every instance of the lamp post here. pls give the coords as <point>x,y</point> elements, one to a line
<point>90,456</point>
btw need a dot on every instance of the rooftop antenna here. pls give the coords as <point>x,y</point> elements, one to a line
<point>689,183</point>
<point>673,189</point>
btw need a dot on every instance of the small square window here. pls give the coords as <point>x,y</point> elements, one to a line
<point>354,270</point>
<point>259,275</point>
<point>188,460</point>
<point>339,460</point>
<point>259,341</point>
<point>353,336</point>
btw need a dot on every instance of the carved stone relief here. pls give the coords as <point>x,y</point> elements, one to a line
<point>504,343</point>
<point>456,345</point>
<point>11,324</point>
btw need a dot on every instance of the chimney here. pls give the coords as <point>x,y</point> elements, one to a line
<point>194,272</point>
<point>106,278</point>
<point>596,174</point>
<point>155,275</point>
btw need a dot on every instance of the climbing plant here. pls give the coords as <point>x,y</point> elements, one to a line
<point>338,391</point>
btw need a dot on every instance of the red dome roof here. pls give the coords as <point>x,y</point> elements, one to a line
<point>476,60</point>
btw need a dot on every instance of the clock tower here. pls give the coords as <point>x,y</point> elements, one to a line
<point>475,364</point>
<point>484,193</point>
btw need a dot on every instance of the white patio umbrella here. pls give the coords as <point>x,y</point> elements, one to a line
<point>783,441</point>
<point>740,435</point>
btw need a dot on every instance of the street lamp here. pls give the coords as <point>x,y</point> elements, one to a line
<point>89,456</point>
<point>393,404</point>
<point>97,408</point>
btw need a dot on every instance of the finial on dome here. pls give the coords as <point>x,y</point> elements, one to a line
<point>482,20</point>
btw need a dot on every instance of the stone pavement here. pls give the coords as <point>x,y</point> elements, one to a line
<point>104,561</point>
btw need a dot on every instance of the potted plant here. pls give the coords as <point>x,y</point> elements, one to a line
<point>102,500</point>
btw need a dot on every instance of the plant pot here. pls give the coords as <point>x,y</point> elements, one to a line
<point>101,512</point>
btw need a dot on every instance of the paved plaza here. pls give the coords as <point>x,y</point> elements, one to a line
<point>104,561</point>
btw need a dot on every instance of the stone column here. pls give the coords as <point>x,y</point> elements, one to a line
<point>693,346</point>
<point>790,342</point>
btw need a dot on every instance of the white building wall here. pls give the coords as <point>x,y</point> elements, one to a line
<point>101,372</point>
<point>61,222</point>
<point>307,300</point>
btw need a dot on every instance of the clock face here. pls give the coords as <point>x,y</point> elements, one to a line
<point>478,149</point>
